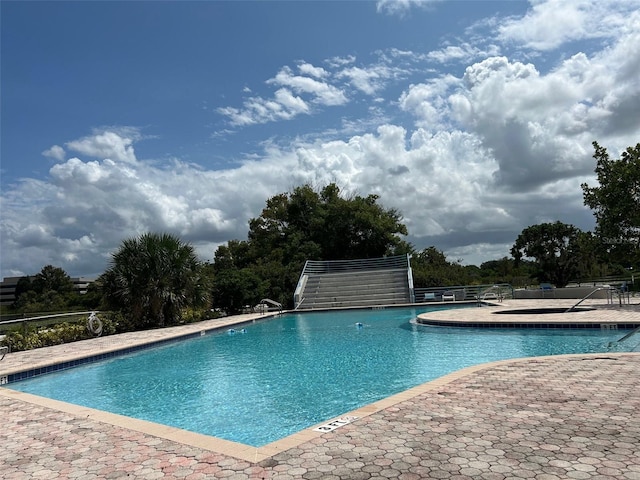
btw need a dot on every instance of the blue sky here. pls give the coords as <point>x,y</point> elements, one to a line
<point>473,118</point>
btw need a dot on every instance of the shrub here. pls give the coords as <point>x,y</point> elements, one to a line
<point>191,315</point>
<point>31,337</point>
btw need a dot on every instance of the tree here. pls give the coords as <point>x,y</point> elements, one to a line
<point>505,270</point>
<point>306,224</point>
<point>153,277</point>
<point>54,279</point>
<point>51,289</point>
<point>235,283</point>
<point>324,225</point>
<point>554,247</point>
<point>24,285</point>
<point>616,204</point>
<point>431,268</point>
<point>233,289</point>
<point>591,262</point>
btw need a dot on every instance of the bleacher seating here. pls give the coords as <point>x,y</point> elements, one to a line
<point>354,283</point>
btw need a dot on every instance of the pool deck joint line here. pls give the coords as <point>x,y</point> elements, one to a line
<point>566,416</point>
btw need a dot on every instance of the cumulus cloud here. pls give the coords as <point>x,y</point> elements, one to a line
<point>108,144</point>
<point>428,101</point>
<point>284,106</point>
<point>56,152</point>
<point>87,207</point>
<point>551,23</point>
<point>309,69</point>
<point>464,52</point>
<point>539,127</point>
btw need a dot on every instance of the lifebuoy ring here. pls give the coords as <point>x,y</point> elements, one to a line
<point>94,324</point>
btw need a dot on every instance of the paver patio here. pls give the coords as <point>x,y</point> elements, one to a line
<point>561,417</point>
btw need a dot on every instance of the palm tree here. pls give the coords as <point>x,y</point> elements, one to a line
<point>153,277</point>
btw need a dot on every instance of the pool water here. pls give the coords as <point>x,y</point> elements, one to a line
<point>285,374</point>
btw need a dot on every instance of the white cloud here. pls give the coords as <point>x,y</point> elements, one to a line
<point>464,52</point>
<point>317,87</point>
<point>106,144</point>
<point>400,7</point>
<point>428,101</point>
<point>367,80</point>
<point>285,105</point>
<point>308,69</point>
<point>551,23</point>
<point>89,207</point>
<point>56,152</point>
<point>294,105</point>
<point>337,62</point>
<point>322,93</point>
<point>538,127</point>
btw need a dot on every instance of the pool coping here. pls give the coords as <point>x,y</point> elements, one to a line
<point>256,454</point>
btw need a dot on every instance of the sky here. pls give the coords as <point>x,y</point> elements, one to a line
<point>473,119</point>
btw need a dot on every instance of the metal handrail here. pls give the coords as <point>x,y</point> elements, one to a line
<point>630,334</point>
<point>363,264</point>
<point>299,303</point>
<point>268,301</point>
<point>44,317</point>
<point>471,292</point>
<point>587,296</point>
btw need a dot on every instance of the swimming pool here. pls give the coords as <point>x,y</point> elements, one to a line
<point>291,372</point>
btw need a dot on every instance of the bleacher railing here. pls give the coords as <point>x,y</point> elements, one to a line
<point>336,266</point>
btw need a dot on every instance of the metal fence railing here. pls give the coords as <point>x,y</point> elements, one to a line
<point>497,291</point>
<point>628,280</point>
<point>44,320</point>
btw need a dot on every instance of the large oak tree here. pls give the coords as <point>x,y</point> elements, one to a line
<point>554,247</point>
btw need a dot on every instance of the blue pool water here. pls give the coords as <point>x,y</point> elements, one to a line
<point>288,373</point>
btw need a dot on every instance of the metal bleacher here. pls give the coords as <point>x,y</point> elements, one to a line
<point>354,283</point>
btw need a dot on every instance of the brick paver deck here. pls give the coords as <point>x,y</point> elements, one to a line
<point>545,418</point>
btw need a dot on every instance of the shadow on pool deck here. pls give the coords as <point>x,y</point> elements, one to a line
<point>547,417</point>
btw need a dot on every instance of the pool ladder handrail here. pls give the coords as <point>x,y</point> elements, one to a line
<point>608,288</point>
<point>273,303</point>
<point>630,334</point>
